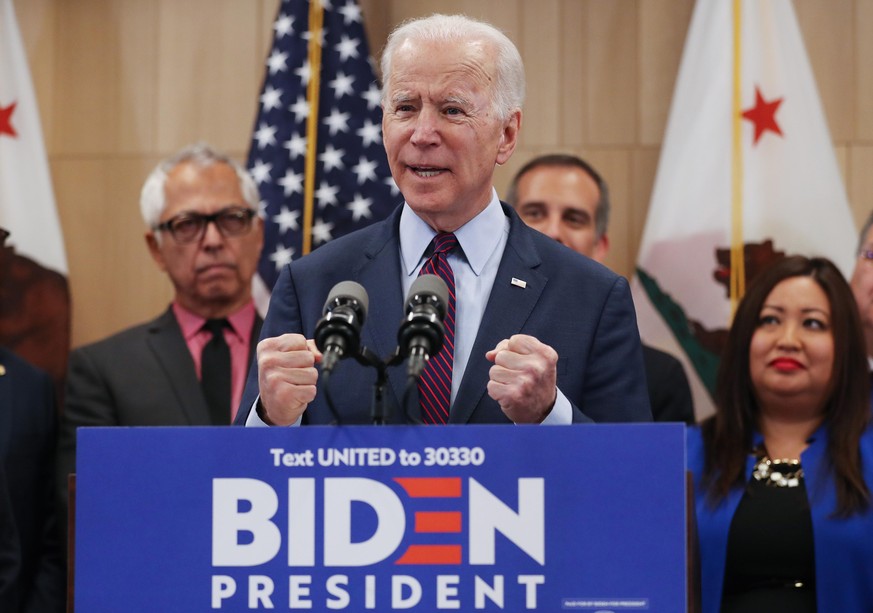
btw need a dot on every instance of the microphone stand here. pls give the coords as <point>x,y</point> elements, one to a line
<point>378,413</point>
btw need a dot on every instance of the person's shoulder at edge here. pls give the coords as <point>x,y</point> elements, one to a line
<point>22,370</point>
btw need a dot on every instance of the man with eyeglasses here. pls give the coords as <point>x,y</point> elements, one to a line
<point>188,366</point>
<point>862,283</point>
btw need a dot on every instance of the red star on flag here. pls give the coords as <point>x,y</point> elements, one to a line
<point>6,120</point>
<point>763,115</point>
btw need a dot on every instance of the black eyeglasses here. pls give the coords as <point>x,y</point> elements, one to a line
<point>190,227</point>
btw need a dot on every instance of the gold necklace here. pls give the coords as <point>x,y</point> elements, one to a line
<point>778,473</point>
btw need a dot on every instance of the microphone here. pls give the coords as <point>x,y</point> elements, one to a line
<point>338,332</point>
<point>421,331</point>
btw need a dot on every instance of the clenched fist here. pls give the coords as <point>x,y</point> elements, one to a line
<point>523,379</point>
<point>287,377</point>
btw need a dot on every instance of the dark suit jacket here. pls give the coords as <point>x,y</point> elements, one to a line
<point>32,573</point>
<point>669,392</point>
<point>142,376</point>
<point>580,308</point>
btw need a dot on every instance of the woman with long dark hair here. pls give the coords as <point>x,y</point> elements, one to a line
<point>783,470</point>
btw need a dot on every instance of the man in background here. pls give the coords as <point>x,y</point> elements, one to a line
<point>563,197</point>
<point>32,570</point>
<point>188,366</point>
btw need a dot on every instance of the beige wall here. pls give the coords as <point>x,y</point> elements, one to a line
<point>122,83</point>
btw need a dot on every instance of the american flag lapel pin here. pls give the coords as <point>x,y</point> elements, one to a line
<point>518,283</point>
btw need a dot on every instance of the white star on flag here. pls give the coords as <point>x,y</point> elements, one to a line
<point>321,231</point>
<point>327,195</point>
<point>277,62</point>
<point>266,135</point>
<point>360,207</point>
<point>365,170</point>
<point>337,122</point>
<point>296,145</point>
<point>287,220</point>
<point>332,157</point>
<point>371,133</point>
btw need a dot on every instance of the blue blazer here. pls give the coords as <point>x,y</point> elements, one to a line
<point>580,308</point>
<point>843,547</point>
<point>32,567</point>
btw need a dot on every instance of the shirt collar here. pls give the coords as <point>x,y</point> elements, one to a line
<point>478,237</point>
<point>191,323</point>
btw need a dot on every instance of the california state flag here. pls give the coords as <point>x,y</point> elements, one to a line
<point>27,202</point>
<point>747,175</point>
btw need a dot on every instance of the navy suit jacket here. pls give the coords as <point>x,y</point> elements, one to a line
<point>578,307</point>
<point>32,571</point>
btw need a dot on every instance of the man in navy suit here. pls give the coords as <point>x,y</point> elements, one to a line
<point>32,571</point>
<point>542,335</point>
<point>564,197</point>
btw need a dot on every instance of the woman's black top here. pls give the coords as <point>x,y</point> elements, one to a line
<point>770,562</point>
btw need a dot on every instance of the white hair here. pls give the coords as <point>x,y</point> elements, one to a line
<point>508,90</point>
<point>152,199</point>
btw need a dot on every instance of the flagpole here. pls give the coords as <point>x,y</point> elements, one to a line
<point>738,268</point>
<point>316,21</point>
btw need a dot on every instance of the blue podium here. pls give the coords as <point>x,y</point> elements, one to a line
<point>395,518</point>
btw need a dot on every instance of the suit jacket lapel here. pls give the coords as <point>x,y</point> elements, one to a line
<point>168,345</point>
<point>508,308</point>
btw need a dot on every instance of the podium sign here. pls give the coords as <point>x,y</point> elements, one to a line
<point>361,518</point>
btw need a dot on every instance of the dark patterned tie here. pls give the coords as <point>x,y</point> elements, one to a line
<point>435,384</point>
<point>215,372</point>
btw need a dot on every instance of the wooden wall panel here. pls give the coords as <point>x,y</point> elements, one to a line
<point>863,98</point>
<point>611,112</point>
<point>644,167</point>
<point>662,26</point>
<point>860,182</point>
<point>264,33</point>
<point>541,52</point>
<point>376,23</point>
<point>115,283</point>
<point>829,37</point>
<point>615,164</point>
<point>572,74</point>
<point>208,69</point>
<point>105,77</point>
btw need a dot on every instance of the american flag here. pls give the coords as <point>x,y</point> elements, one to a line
<point>352,185</point>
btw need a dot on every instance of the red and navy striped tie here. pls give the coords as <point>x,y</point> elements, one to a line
<point>435,384</point>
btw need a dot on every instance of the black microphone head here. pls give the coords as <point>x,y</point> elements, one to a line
<point>348,293</point>
<point>337,333</point>
<point>429,289</point>
<point>421,331</point>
